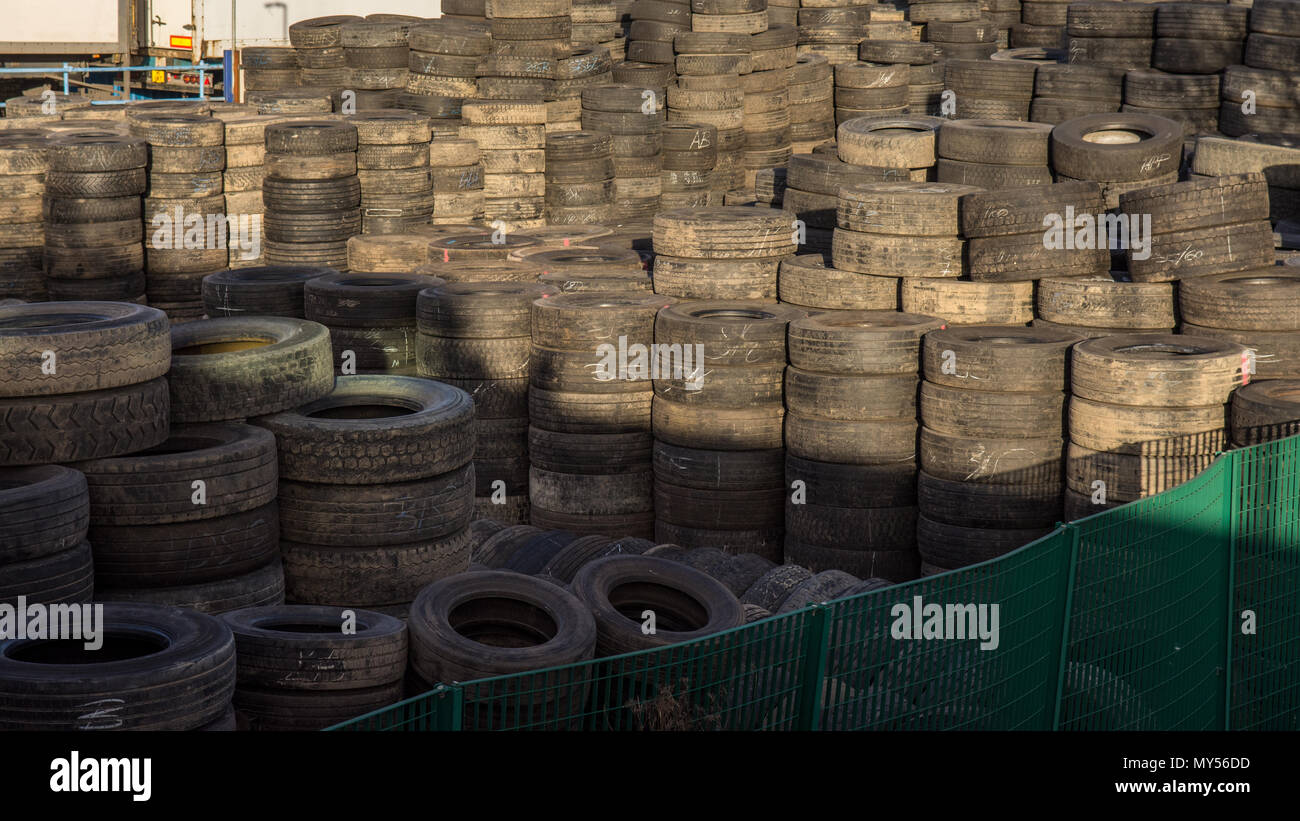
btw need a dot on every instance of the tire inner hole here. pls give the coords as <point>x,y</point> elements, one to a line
<point>498,621</point>
<point>221,346</point>
<point>674,610</point>
<point>119,645</point>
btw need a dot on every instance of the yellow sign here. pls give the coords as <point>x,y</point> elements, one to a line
<point>158,76</point>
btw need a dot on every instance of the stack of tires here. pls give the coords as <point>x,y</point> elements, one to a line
<point>1205,226</point>
<point>511,136</point>
<point>92,202</point>
<point>813,182</point>
<point>806,282</point>
<point>1276,156</point>
<point>633,117</point>
<point>891,143</point>
<point>273,290</point>
<point>187,159</point>
<point>1264,412</point>
<point>992,441</point>
<point>371,318</point>
<point>721,253</point>
<point>376,491</point>
<point>994,154</point>
<point>1008,249</point>
<point>78,381</point>
<point>166,669</point>
<point>1256,309</point>
<point>43,521</point>
<point>1271,57</point>
<point>590,268</point>
<point>241,185</point>
<point>834,36</point>
<point>1190,99</point>
<point>1194,39</point>
<point>444,57</point>
<point>1063,91</point>
<point>1122,152</point>
<point>654,24</point>
<point>718,422</point>
<point>589,446</point>
<point>690,153</point>
<point>1103,305</point>
<point>393,169</point>
<point>812,103</point>
<point>900,229</point>
<point>870,90</point>
<point>24,159</point>
<point>192,525</point>
<point>584,67</point>
<point>1043,24</point>
<point>477,336</point>
<point>311,192</point>
<point>579,177</point>
<point>1111,34</point>
<point>716,100</point>
<point>768,139</point>
<point>597,22</point>
<point>964,40</point>
<point>377,56</point>
<point>850,432</point>
<point>1148,412</point>
<point>301,667</point>
<point>924,70</point>
<point>270,68</point>
<point>457,181</point>
<point>991,89</point>
<point>729,16</point>
<point>318,43</point>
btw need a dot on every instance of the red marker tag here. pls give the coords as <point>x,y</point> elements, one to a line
<point>445,256</point>
<point>566,242</point>
<point>1245,367</point>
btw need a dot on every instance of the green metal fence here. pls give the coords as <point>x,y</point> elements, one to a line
<point>1176,612</point>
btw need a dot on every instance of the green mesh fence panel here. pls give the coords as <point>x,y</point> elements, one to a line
<point>877,681</point>
<point>1130,619</point>
<point>1146,632</point>
<point>1265,691</point>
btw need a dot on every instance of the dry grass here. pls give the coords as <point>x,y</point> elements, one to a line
<point>672,711</point>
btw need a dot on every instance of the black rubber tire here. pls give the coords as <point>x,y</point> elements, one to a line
<point>237,464</point>
<point>530,624</point>
<point>63,577</point>
<point>1265,411</point>
<point>186,682</point>
<point>78,426</point>
<point>687,603</point>
<point>43,510</point>
<point>239,367</point>
<point>272,290</point>
<point>370,576</point>
<point>1158,151</point>
<point>1006,358</point>
<point>97,346</point>
<point>435,436</point>
<point>770,590</point>
<point>302,647</point>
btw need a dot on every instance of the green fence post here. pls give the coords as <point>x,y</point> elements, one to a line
<point>1231,524</point>
<point>448,706</point>
<point>1067,607</point>
<point>816,647</point>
